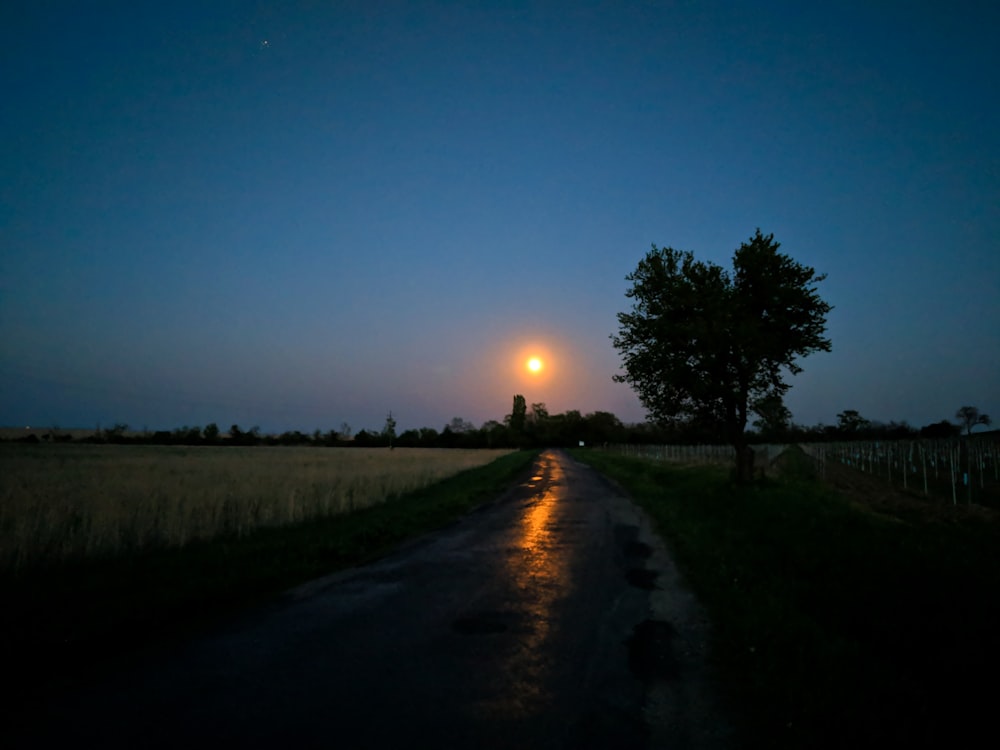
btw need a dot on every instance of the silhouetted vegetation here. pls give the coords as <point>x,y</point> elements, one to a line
<point>535,427</point>
<point>969,417</point>
<point>940,430</point>
<point>703,344</point>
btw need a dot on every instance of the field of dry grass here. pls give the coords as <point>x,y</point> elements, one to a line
<point>62,502</point>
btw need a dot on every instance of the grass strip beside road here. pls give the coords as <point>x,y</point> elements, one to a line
<point>67,616</point>
<point>833,626</point>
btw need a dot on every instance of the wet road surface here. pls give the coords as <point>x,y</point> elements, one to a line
<point>550,618</point>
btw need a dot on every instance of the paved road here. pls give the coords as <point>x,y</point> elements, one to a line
<point>551,618</point>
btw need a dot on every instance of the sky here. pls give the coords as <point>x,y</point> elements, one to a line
<point>300,214</point>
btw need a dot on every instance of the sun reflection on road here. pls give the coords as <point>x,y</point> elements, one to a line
<point>539,572</point>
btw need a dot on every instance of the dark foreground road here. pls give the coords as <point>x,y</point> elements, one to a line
<point>551,618</point>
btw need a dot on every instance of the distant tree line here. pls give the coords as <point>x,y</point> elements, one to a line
<point>774,425</point>
<point>533,426</point>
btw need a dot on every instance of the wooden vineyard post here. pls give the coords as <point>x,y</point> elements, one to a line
<point>951,465</point>
<point>923,464</point>
<point>968,471</point>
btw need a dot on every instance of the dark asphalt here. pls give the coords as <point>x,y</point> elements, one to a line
<point>512,628</point>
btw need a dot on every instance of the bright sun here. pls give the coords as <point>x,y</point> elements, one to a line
<point>535,364</point>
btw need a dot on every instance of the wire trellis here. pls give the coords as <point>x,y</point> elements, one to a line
<point>963,469</point>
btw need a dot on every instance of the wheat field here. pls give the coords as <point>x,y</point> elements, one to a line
<point>64,502</point>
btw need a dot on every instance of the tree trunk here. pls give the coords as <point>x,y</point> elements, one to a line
<point>735,428</point>
<point>744,461</point>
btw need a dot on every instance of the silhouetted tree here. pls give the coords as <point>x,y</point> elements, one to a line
<point>898,430</point>
<point>460,426</point>
<point>447,438</point>
<point>564,429</point>
<point>239,437</point>
<point>494,434</point>
<point>773,417</point>
<point>969,417</point>
<point>211,432</point>
<point>537,424</point>
<point>940,430</point>
<point>851,422</point>
<point>408,439</point>
<point>701,343</point>
<point>186,436</point>
<point>389,430</point>
<point>539,412</point>
<point>601,427</point>
<point>518,416</point>
<point>291,437</point>
<point>116,434</point>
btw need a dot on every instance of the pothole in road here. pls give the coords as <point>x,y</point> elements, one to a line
<point>481,624</point>
<point>642,578</point>
<point>650,650</point>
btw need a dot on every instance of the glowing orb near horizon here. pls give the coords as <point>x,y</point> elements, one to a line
<point>534,364</point>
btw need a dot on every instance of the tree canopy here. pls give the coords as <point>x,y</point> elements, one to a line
<point>969,417</point>
<point>389,430</point>
<point>702,344</point>
<point>518,415</point>
<point>850,421</point>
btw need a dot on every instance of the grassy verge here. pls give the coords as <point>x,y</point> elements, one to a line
<point>834,626</point>
<point>71,615</point>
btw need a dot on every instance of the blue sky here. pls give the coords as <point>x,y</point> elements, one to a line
<point>301,214</point>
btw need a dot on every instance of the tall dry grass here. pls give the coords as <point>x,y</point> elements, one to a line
<point>63,502</point>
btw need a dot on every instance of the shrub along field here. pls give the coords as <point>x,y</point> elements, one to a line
<point>72,502</point>
<point>837,623</point>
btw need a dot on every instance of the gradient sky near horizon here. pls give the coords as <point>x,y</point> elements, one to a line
<point>299,214</point>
